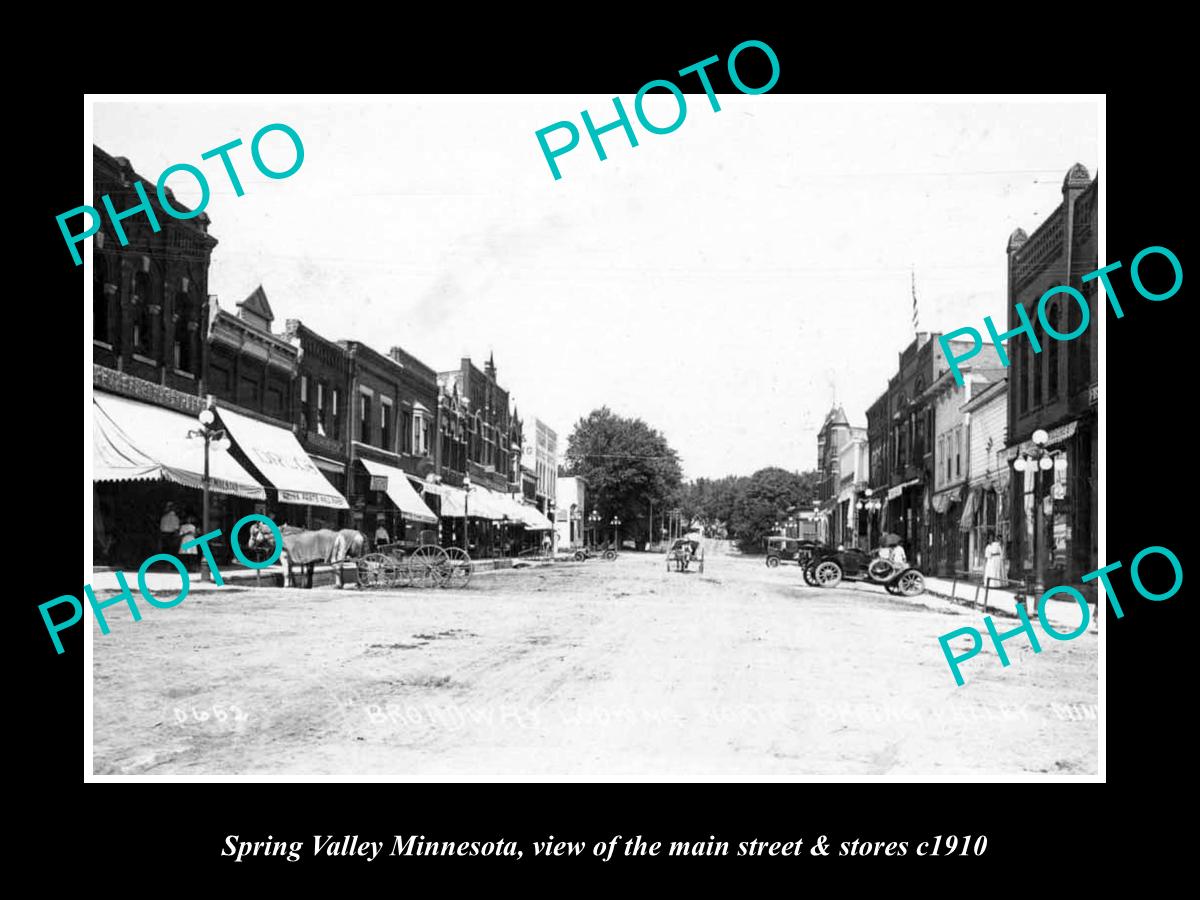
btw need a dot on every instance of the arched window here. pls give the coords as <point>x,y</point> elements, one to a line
<point>100,322</point>
<point>1053,351</point>
<point>184,314</point>
<point>142,323</point>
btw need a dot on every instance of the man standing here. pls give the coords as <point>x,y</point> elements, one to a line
<point>381,535</point>
<point>168,530</point>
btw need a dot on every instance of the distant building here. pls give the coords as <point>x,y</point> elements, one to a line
<point>571,493</point>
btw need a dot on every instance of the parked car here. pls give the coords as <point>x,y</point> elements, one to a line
<point>787,549</point>
<point>829,567</point>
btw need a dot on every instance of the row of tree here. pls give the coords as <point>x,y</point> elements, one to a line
<point>630,467</point>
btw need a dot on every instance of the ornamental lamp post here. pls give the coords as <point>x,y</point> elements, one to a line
<point>616,523</point>
<point>214,438</point>
<point>466,484</point>
<point>594,519</point>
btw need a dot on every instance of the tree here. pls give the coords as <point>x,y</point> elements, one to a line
<point>627,464</point>
<point>766,498</point>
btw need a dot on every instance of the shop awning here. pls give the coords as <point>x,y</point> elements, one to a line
<point>479,506</point>
<point>134,441</point>
<point>282,461</point>
<point>401,492</point>
<point>896,491</point>
<point>968,513</point>
<point>535,520</point>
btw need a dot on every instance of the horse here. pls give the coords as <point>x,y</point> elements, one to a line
<point>307,548</point>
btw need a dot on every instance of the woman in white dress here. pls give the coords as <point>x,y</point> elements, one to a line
<point>993,567</point>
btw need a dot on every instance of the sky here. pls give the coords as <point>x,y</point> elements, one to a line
<point>726,282</point>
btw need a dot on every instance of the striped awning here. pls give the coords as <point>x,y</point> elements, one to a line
<point>134,441</point>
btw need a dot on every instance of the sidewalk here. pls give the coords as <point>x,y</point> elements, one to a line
<point>1061,611</point>
<point>166,583</point>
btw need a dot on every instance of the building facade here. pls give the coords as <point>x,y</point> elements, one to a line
<point>570,522</point>
<point>322,422</point>
<point>900,426</point>
<point>393,440</point>
<point>1053,393</point>
<point>950,548</point>
<point>852,523</point>
<point>985,508</point>
<point>150,311</point>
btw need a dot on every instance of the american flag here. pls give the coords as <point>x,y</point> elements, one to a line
<point>916,320</point>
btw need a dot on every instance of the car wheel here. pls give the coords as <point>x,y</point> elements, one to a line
<point>809,578</point>
<point>828,574</point>
<point>610,554</point>
<point>772,562</point>
<point>911,583</point>
<point>890,588</point>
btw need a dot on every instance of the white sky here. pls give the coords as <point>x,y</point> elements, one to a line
<point>722,282</point>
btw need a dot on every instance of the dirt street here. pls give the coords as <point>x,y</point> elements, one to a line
<point>578,670</point>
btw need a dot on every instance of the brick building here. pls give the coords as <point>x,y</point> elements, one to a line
<point>393,423</point>
<point>900,428</point>
<point>150,314</point>
<point>321,416</point>
<point>1054,484</point>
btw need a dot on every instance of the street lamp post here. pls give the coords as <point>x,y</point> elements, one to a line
<point>466,483</point>
<point>212,437</point>
<point>594,520</point>
<point>616,523</point>
<point>1040,461</point>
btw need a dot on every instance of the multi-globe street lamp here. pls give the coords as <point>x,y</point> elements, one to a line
<point>616,523</point>
<point>466,486</point>
<point>214,438</point>
<point>594,521</point>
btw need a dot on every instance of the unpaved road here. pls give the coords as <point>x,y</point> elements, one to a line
<point>600,669</point>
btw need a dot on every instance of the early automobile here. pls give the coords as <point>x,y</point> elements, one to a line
<point>829,567</point>
<point>787,549</point>
<point>681,553</point>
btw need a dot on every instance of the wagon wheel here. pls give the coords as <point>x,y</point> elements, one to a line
<point>458,568</point>
<point>400,574</point>
<point>911,583</point>
<point>828,574</point>
<point>427,566</point>
<point>369,570</point>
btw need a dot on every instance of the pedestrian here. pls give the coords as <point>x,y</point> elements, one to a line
<point>187,532</point>
<point>993,567</point>
<point>381,535</point>
<point>168,529</point>
<point>545,543</point>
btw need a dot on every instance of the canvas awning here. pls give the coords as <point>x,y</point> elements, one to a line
<point>968,513</point>
<point>282,461</point>
<point>535,520</point>
<point>134,441</point>
<point>479,506</point>
<point>401,492</point>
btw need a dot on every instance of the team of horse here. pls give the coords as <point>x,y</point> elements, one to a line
<point>303,548</point>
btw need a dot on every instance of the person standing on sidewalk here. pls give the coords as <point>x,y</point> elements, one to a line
<point>993,567</point>
<point>168,530</point>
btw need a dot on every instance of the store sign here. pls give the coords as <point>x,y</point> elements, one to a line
<point>379,482</point>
